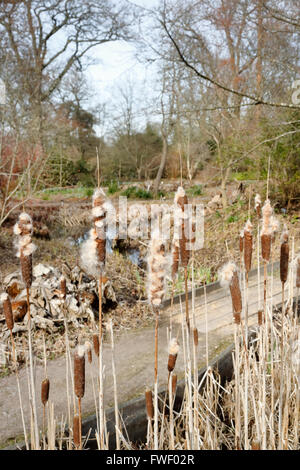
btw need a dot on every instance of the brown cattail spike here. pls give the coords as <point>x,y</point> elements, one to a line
<point>175,257</point>
<point>196,337</point>
<point>7,308</point>
<point>149,404</point>
<point>76,431</point>
<point>266,246</point>
<point>79,371</point>
<point>63,287</point>
<point>248,246</point>
<point>173,352</point>
<point>228,277</point>
<point>182,224</point>
<point>284,256</point>
<point>96,343</point>
<point>45,387</point>
<point>260,317</point>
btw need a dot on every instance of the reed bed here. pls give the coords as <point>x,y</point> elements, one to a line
<point>257,409</point>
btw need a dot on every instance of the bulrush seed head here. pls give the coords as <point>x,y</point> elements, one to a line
<point>284,256</point>
<point>45,387</point>
<point>149,404</point>
<point>96,343</point>
<point>173,352</point>
<point>181,223</point>
<point>79,371</point>
<point>7,309</point>
<point>63,287</point>
<point>196,337</point>
<point>228,277</point>
<point>248,245</point>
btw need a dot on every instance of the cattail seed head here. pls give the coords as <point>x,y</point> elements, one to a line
<point>255,445</point>
<point>260,317</point>
<point>196,337</point>
<point>284,255</point>
<point>149,404</point>
<point>7,309</point>
<point>96,343</point>
<point>266,246</point>
<point>228,277</point>
<point>63,287</point>
<point>76,431</point>
<point>181,223</point>
<point>173,352</point>
<point>79,371</point>
<point>248,245</point>
<point>45,387</point>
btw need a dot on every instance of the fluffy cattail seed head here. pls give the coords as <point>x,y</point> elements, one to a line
<point>79,371</point>
<point>149,404</point>
<point>7,309</point>
<point>25,248</point>
<point>45,387</point>
<point>157,264</point>
<point>284,255</point>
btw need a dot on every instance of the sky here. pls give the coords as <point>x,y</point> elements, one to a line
<point>116,63</point>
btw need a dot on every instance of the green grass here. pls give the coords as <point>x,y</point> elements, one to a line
<point>132,192</point>
<point>196,190</point>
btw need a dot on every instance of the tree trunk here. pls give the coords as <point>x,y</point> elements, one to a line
<point>161,166</point>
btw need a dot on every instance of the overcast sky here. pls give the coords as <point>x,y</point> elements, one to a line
<point>116,63</point>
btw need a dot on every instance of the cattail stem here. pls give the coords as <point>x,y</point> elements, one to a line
<point>32,384</point>
<point>186,298</point>
<point>80,423</point>
<point>155,381</point>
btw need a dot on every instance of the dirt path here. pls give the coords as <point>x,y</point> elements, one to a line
<point>134,360</point>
